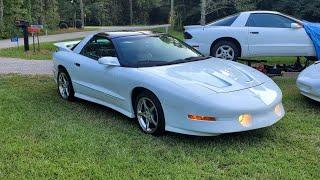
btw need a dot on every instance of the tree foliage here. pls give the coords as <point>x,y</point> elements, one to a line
<point>117,12</point>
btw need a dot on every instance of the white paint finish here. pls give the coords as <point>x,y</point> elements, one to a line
<point>269,41</point>
<point>279,42</point>
<point>212,87</point>
<point>309,82</point>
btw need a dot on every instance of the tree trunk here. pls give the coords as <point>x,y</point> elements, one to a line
<point>82,13</point>
<point>1,11</point>
<point>203,12</point>
<point>131,12</point>
<point>172,18</point>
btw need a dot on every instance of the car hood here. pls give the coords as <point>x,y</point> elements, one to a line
<point>214,74</point>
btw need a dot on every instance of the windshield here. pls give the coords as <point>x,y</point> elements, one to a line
<point>148,51</point>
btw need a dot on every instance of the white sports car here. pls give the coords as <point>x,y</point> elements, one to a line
<point>249,34</point>
<point>166,85</point>
<point>309,82</point>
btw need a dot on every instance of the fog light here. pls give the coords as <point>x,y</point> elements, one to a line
<point>245,120</point>
<point>278,110</point>
<point>201,118</point>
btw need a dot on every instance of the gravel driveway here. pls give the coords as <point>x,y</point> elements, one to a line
<point>27,67</point>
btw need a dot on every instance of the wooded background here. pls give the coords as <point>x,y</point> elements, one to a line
<point>117,12</point>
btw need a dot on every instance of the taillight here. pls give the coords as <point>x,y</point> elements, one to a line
<point>187,35</point>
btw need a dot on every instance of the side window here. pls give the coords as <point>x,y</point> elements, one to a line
<point>98,47</point>
<point>228,21</point>
<point>269,20</point>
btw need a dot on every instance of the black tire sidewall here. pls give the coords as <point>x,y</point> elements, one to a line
<point>161,119</point>
<point>228,43</point>
<point>71,93</point>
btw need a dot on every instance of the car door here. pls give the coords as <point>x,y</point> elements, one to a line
<point>96,81</point>
<point>272,35</point>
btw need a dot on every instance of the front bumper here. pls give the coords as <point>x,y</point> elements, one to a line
<point>230,125</point>
<point>309,87</point>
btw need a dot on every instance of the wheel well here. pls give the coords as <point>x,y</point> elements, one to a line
<point>135,92</point>
<point>60,67</point>
<point>227,39</point>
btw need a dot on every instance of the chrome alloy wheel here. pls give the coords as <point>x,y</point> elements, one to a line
<point>225,52</point>
<point>147,115</point>
<point>63,84</point>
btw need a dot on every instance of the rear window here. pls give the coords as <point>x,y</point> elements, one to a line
<point>228,21</point>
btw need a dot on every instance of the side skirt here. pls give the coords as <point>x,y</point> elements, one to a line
<point>94,100</point>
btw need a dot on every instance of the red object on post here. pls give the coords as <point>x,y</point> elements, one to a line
<point>33,29</point>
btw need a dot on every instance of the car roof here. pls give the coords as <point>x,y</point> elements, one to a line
<point>119,34</point>
<point>269,12</point>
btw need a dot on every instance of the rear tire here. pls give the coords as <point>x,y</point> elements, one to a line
<point>227,50</point>
<point>65,88</point>
<point>149,114</point>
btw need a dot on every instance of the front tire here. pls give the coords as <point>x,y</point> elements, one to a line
<point>65,88</point>
<point>227,50</point>
<point>150,114</point>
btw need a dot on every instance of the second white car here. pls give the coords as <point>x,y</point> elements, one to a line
<point>249,34</point>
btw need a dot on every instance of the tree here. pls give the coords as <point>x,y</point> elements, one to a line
<point>131,12</point>
<point>1,11</point>
<point>82,12</point>
<point>172,13</point>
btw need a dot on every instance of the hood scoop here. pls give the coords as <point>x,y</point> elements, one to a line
<point>217,75</point>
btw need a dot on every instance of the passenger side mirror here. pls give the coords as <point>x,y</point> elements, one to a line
<point>296,26</point>
<point>109,61</point>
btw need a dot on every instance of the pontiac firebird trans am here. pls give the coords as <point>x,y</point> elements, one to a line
<point>166,85</point>
<point>251,34</point>
<point>309,82</point>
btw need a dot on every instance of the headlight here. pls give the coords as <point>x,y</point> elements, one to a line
<point>245,120</point>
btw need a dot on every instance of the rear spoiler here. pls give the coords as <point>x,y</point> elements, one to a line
<point>66,46</point>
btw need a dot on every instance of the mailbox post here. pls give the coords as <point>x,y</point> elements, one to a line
<point>24,26</point>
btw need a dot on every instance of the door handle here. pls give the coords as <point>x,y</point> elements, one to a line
<point>254,32</point>
<point>77,64</point>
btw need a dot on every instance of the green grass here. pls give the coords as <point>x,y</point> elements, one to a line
<point>43,136</point>
<point>45,53</point>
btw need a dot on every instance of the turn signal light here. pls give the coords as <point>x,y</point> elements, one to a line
<point>245,120</point>
<point>201,118</point>
<point>278,110</point>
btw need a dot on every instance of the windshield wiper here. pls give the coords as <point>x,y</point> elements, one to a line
<point>189,59</point>
<point>165,63</point>
<point>197,58</point>
<point>150,63</point>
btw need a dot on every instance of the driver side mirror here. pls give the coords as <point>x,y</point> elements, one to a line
<point>109,61</point>
<point>296,26</point>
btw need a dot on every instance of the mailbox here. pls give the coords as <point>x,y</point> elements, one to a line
<point>24,26</point>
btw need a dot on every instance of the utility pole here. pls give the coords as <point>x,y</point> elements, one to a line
<point>131,12</point>
<point>203,12</point>
<point>82,13</point>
